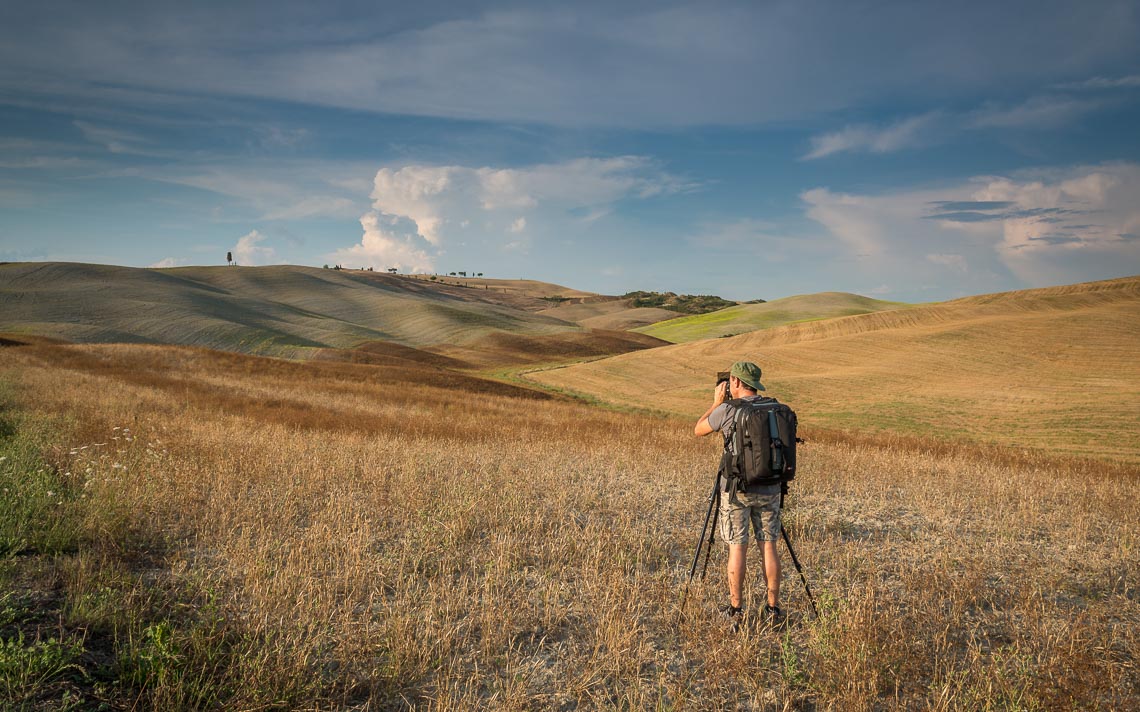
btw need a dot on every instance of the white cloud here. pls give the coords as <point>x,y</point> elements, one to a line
<point>459,204</point>
<point>384,245</point>
<point>1046,227</point>
<point>859,221</point>
<point>168,262</point>
<point>907,133</point>
<point>248,250</point>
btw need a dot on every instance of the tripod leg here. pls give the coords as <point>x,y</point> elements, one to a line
<point>701,540</point>
<point>713,501</point>
<point>799,570</point>
<point>712,532</point>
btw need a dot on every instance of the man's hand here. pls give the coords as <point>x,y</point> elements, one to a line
<point>720,393</point>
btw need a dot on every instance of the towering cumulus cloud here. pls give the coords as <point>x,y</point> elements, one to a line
<point>419,211</point>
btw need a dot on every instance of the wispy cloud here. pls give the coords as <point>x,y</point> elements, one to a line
<point>273,190</point>
<point>1040,112</point>
<point>908,133</point>
<point>681,65</point>
<point>114,140</point>
<point>1036,113</point>
<point>1097,83</point>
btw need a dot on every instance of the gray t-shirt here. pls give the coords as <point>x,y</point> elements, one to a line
<point>722,419</point>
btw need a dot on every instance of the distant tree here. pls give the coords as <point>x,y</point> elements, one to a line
<point>392,270</point>
<point>229,258</point>
<point>462,274</point>
<point>432,278</point>
<point>326,266</point>
<point>480,274</point>
<point>451,274</point>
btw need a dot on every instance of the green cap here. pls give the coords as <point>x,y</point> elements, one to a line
<point>748,373</point>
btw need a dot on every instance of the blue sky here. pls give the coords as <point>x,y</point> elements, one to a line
<point>905,150</point>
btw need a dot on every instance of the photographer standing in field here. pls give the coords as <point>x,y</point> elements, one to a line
<point>758,504</point>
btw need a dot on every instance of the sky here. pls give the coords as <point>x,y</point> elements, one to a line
<point>906,150</point>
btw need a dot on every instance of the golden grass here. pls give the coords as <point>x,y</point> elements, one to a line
<point>263,534</point>
<point>1054,369</point>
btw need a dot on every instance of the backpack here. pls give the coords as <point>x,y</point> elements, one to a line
<point>761,449</point>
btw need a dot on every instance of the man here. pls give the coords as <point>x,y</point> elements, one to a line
<point>758,505</point>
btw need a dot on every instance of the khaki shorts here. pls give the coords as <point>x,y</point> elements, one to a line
<point>763,510</point>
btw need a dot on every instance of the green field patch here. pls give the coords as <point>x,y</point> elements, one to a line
<point>745,318</point>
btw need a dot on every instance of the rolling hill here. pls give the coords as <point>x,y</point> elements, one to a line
<point>280,310</point>
<point>1052,368</point>
<point>608,313</point>
<point>751,317</point>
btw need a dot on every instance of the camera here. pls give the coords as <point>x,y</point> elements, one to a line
<point>722,376</point>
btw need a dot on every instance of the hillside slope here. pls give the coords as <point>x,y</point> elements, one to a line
<point>608,313</point>
<point>279,310</point>
<point>744,318</point>
<point>1048,368</point>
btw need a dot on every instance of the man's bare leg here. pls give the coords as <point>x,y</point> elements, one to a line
<point>737,565</point>
<point>771,572</point>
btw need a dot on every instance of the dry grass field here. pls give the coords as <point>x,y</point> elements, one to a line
<point>185,529</point>
<point>1053,369</point>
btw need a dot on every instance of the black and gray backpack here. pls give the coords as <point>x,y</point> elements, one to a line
<point>761,447</point>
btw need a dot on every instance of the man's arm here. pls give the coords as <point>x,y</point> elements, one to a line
<point>702,428</point>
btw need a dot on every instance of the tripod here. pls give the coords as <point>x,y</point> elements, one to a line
<point>711,515</point>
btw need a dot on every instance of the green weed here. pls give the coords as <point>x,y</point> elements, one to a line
<point>32,671</point>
